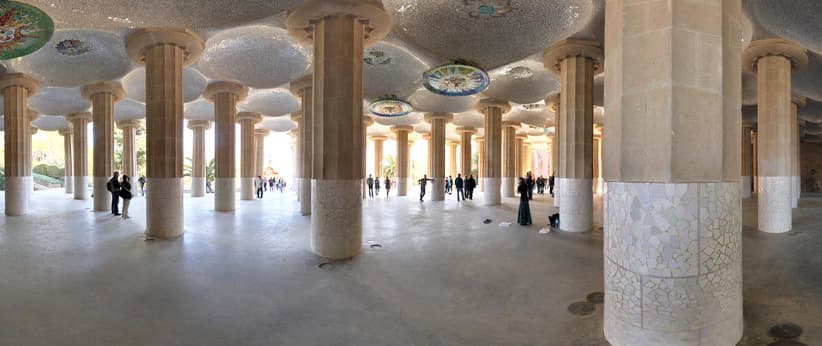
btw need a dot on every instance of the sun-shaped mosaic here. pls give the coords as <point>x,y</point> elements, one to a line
<point>23,29</point>
<point>376,57</point>
<point>456,80</point>
<point>72,47</point>
<point>389,106</point>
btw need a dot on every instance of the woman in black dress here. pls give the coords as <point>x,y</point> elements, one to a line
<point>524,215</point>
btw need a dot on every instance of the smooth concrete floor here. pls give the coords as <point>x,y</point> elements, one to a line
<point>69,276</point>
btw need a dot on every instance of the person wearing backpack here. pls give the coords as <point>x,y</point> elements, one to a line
<point>113,186</point>
<point>125,193</point>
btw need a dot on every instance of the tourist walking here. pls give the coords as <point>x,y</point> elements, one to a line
<point>470,185</point>
<point>377,186</point>
<point>113,186</point>
<point>142,182</point>
<point>387,186</point>
<point>259,183</point>
<point>524,214</point>
<point>423,182</point>
<point>370,182</point>
<point>458,183</point>
<point>551,185</point>
<point>209,189</point>
<point>529,180</point>
<point>126,194</point>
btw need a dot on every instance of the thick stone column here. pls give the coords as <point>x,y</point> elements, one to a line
<point>129,157</point>
<point>403,158</point>
<point>596,161</point>
<point>797,102</point>
<point>164,51</point>
<point>79,125</point>
<point>747,160</point>
<point>554,103</point>
<point>259,151</point>
<point>303,89</point>
<point>103,96</point>
<point>480,163</point>
<point>339,31</point>
<point>248,156</point>
<point>225,96</point>
<point>198,162</point>
<point>68,180</point>
<point>437,145</point>
<point>509,158</point>
<point>366,122</point>
<point>773,60</point>
<point>378,145</point>
<point>465,149</point>
<point>673,259</point>
<point>755,161</point>
<point>519,157</point>
<point>16,89</point>
<point>452,158</point>
<point>493,110</point>
<point>32,131</point>
<point>576,62</point>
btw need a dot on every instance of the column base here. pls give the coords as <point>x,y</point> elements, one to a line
<point>509,186</point>
<point>577,212</point>
<point>774,204</point>
<point>102,198</point>
<point>164,208</point>
<point>746,186</point>
<point>81,188</point>
<point>491,194</point>
<point>68,181</point>
<point>336,220</point>
<point>18,191</point>
<point>197,186</point>
<point>224,194</point>
<point>402,186</point>
<point>598,186</point>
<point>796,187</point>
<point>556,193</point>
<point>673,264</point>
<point>437,189</point>
<point>247,189</point>
<point>304,195</point>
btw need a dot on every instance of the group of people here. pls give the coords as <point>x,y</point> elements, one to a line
<point>464,186</point>
<point>262,184</point>
<point>542,182</point>
<point>374,186</point>
<point>120,187</point>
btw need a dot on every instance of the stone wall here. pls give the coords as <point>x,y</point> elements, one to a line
<point>811,167</point>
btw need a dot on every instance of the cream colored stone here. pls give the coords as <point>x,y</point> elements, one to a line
<point>164,210</point>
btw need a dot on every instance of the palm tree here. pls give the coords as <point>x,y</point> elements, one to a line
<point>390,169</point>
<point>209,173</point>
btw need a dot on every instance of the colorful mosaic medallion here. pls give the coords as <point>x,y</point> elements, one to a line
<point>72,47</point>
<point>389,106</point>
<point>487,8</point>
<point>23,29</point>
<point>376,57</point>
<point>457,79</point>
<point>519,72</point>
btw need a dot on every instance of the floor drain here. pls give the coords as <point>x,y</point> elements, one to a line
<point>581,308</point>
<point>486,221</point>
<point>787,342</point>
<point>785,331</point>
<point>376,246</point>
<point>147,238</point>
<point>595,297</point>
<point>325,265</point>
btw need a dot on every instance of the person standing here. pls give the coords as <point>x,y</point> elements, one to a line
<point>387,186</point>
<point>458,183</point>
<point>142,182</point>
<point>470,184</point>
<point>551,185</point>
<point>113,186</point>
<point>524,214</point>
<point>259,183</point>
<point>529,180</point>
<point>209,189</point>
<point>126,194</point>
<point>423,182</point>
<point>370,182</point>
<point>377,186</point>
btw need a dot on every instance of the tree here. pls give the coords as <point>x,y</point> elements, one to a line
<point>189,171</point>
<point>389,170</point>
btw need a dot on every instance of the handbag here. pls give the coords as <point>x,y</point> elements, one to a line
<point>125,194</point>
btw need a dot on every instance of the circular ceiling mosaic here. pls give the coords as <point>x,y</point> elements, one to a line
<point>23,29</point>
<point>389,107</point>
<point>456,80</point>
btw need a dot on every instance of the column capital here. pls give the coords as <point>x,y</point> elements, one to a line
<point>225,87</point>
<point>399,128</point>
<point>301,20</point>
<point>261,132</point>
<point>194,124</point>
<point>505,106</point>
<point>367,121</point>
<point>554,55</point>
<point>32,115</point>
<point>509,123</point>
<point>378,138</point>
<point>426,136</point>
<point>521,136</point>
<point>249,116</point>
<point>79,116</point>
<point>191,43</point>
<point>797,55</point>
<point>33,130</point>
<point>113,88</point>
<point>434,116</point>
<point>66,131</point>
<point>799,100</point>
<point>452,143</point>
<point>479,139</point>
<point>8,80</point>
<point>296,115</point>
<point>748,124</point>
<point>128,124</point>
<point>298,86</point>
<point>552,102</point>
<point>464,129</point>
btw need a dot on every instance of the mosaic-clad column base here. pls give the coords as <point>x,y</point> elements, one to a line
<point>69,184</point>
<point>336,218</point>
<point>18,191</point>
<point>796,188</point>
<point>102,198</point>
<point>402,186</point>
<point>164,208</point>
<point>436,189</point>
<point>509,186</point>
<point>197,186</point>
<point>247,190</point>
<point>491,191</point>
<point>81,188</point>
<point>577,211</point>
<point>746,186</point>
<point>673,264</point>
<point>304,195</point>
<point>774,205</point>
<point>224,194</point>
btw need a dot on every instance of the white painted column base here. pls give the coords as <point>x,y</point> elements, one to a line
<point>102,198</point>
<point>796,190</point>
<point>577,212</point>
<point>336,220</point>
<point>197,186</point>
<point>509,188</point>
<point>491,194</point>
<point>81,188</point>
<point>164,208</point>
<point>556,193</point>
<point>673,264</point>
<point>18,191</point>
<point>774,205</point>
<point>224,194</point>
<point>402,186</point>
<point>746,186</point>
<point>247,191</point>
<point>69,184</point>
<point>304,196</point>
<point>436,189</point>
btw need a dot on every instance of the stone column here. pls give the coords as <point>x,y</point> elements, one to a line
<point>79,125</point>
<point>339,31</point>
<point>597,171</point>
<point>576,62</point>
<point>797,102</point>
<point>129,156</point>
<point>493,110</point>
<point>554,103</point>
<point>16,89</point>
<point>225,96</point>
<point>465,149</point>
<point>452,158</point>
<point>519,158</point>
<point>437,145</point>
<point>747,160</point>
<point>32,131</point>
<point>755,160</point>
<point>198,162</point>
<point>103,96</point>
<point>164,51</point>
<point>303,89</point>
<point>67,160</point>
<point>509,158</point>
<point>773,60</point>
<point>366,122</point>
<point>247,121</point>
<point>430,164</point>
<point>378,144</point>
<point>673,259</point>
<point>480,163</point>
<point>403,158</point>
<point>259,151</point>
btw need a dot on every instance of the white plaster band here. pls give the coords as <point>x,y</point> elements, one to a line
<point>336,220</point>
<point>68,182</point>
<point>746,186</point>
<point>577,211</point>
<point>774,208</point>
<point>81,187</point>
<point>247,190</point>
<point>224,194</point>
<point>509,186</point>
<point>197,186</point>
<point>102,198</point>
<point>18,191</point>
<point>164,208</point>
<point>491,195</point>
<point>436,189</point>
<point>305,195</point>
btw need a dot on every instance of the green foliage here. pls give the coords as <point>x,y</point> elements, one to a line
<point>49,171</point>
<point>390,169</point>
<point>45,180</point>
<point>210,170</point>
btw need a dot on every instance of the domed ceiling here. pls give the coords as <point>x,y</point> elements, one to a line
<point>58,101</point>
<point>795,20</point>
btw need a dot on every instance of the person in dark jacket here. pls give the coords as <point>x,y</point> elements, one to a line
<point>387,186</point>
<point>470,185</point>
<point>458,183</point>
<point>524,214</point>
<point>113,186</point>
<point>142,182</point>
<point>423,182</point>
<point>370,182</point>
<point>125,193</point>
<point>551,185</point>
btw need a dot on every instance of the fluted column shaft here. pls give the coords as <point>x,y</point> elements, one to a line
<point>198,161</point>
<point>129,157</point>
<point>247,154</point>
<point>519,155</point>
<point>103,96</point>
<point>480,163</point>
<point>225,96</point>
<point>304,89</point>
<point>597,172</point>
<point>796,103</point>
<point>68,180</point>
<point>509,158</point>
<point>452,158</point>
<point>16,89</point>
<point>259,151</point>
<point>403,158</point>
<point>747,160</point>
<point>437,145</point>
<point>378,146</point>
<point>465,150</point>
<point>492,168</point>
<point>79,125</point>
